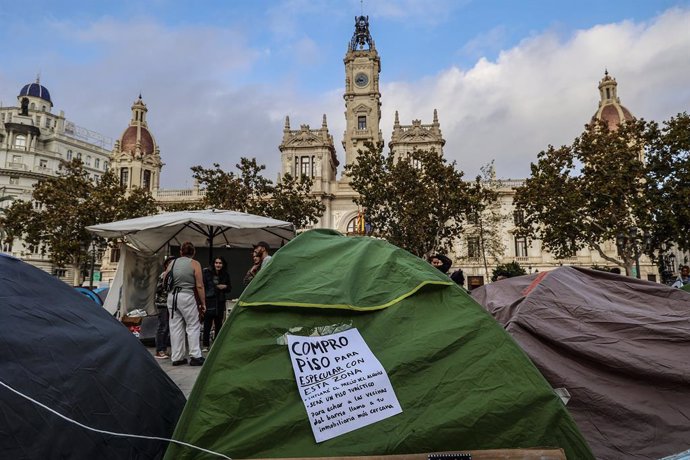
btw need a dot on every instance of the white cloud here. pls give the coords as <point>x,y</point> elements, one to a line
<point>205,105</point>
<point>544,90</point>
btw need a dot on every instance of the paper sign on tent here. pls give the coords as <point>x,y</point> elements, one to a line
<point>342,384</point>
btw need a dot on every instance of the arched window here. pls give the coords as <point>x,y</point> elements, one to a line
<point>32,106</point>
<point>69,155</point>
<point>357,225</point>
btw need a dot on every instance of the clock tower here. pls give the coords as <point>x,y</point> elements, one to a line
<point>362,95</point>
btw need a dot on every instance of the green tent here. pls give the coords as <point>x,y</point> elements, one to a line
<point>686,288</point>
<point>461,381</point>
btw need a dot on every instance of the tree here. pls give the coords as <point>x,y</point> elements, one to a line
<point>668,162</point>
<point>418,202</point>
<point>508,270</point>
<point>248,191</point>
<point>64,205</point>
<point>486,220</point>
<point>586,194</point>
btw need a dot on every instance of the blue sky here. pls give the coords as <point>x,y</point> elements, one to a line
<point>507,77</point>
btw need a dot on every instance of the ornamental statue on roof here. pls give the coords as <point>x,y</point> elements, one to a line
<point>361,37</point>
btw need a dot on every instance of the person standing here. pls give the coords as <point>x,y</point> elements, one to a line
<point>261,250</point>
<point>163,331</point>
<point>251,273</point>
<point>216,286</point>
<point>188,289</point>
<point>683,278</point>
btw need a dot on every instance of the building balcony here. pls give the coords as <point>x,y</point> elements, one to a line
<point>16,166</point>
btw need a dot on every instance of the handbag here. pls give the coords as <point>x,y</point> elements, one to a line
<point>169,280</point>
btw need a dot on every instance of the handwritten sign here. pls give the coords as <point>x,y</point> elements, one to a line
<point>342,384</point>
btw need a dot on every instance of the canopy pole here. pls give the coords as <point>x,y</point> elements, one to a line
<point>210,246</point>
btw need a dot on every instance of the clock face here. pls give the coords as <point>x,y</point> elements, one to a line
<point>361,79</point>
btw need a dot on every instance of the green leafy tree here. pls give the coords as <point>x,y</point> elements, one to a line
<point>668,162</point>
<point>248,191</point>
<point>586,194</point>
<point>64,205</point>
<point>292,202</point>
<point>181,206</point>
<point>419,202</point>
<point>508,270</point>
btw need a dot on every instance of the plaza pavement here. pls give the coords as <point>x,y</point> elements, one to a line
<point>184,376</point>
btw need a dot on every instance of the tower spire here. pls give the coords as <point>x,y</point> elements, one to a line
<point>361,37</point>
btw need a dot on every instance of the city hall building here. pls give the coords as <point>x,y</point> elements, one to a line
<point>33,140</point>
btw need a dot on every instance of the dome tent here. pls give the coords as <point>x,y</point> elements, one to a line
<point>618,345</point>
<point>461,382</point>
<point>63,351</point>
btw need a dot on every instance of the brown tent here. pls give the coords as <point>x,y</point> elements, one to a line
<point>620,347</point>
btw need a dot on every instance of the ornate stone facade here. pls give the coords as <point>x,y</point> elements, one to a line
<point>312,152</point>
<point>33,141</point>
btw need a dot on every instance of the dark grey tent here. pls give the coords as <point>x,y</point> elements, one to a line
<point>64,351</point>
<point>620,347</point>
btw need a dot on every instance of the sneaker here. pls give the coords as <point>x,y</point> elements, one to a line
<point>162,355</point>
<point>196,361</point>
<point>205,349</point>
<point>179,362</point>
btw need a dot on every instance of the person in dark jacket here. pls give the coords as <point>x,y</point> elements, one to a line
<point>441,262</point>
<point>217,286</point>
<point>163,330</point>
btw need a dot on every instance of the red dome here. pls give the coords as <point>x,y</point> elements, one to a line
<point>609,114</point>
<point>128,141</point>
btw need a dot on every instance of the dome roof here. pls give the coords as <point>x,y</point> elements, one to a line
<point>36,90</point>
<point>613,115</point>
<point>128,141</point>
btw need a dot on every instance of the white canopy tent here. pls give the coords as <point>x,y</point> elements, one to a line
<point>147,239</point>
<point>209,227</point>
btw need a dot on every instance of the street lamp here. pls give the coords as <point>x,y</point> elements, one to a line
<point>635,242</point>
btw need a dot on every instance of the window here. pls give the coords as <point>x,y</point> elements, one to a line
<point>97,163</point>
<point>20,141</point>
<point>14,180</point>
<point>33,106</point>
<point>608,93</point>
<point>38,120</point>
<point>59,272</point>
<point>43,164</point>
<point>105,165</point>
<point>78,155</point>
<point>304,166</point>
<point>473,251</point>
<point>69,155</point>
<point>362,122</point>
<point>47,122</point>
<point>96,178</point>
<point>114,255</point>
<point>518,217</point>
<point>520,246</point>
<point>313,167</point>
<point>146,181</point>
<point>124,177</point>
<point>296,166</point>
<point>88,160</point>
